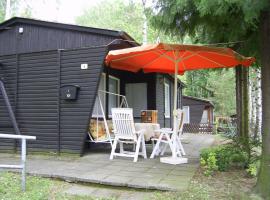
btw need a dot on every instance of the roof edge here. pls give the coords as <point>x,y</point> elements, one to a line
<point>198,99</point>
<point>59,25</point>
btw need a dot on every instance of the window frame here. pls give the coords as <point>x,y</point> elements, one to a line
<point>188,115</point>
<point>167,113</point>
<point>105,100</point>
<point>118,90</point>
<point>103,75</point>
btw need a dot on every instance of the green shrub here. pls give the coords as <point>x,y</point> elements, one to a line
<point>222,158</point>
<point>252,169</point>
<point>209,164</point>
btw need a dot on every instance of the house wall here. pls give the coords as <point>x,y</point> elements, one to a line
<point>196,108</point>
<point>33,82</point>
<point>40,38</point>
<point>160,100</point>
<point>129,77</point>
<point>8,73</point>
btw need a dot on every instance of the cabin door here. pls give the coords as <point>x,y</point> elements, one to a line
<point>136,94</point>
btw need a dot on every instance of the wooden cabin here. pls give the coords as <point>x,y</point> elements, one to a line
<point>199,114</point>
<point>39,60</point>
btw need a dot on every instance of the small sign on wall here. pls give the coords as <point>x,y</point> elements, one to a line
<point>84,66</point>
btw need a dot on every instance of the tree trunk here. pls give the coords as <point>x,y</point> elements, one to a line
<point>252,107</point>
<point>258,109</point>
<point>238,99</point>
<point>263,182</point>
<point>7,10</point>
<point>145,27</point>
<point>242,106</point>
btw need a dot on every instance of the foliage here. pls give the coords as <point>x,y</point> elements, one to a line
<point>224,91</point>
<point>253,169</point>
<point>122,15</point>
<point>222,158</point>
<point>17,8</point>
<point>207,84</point>
<point>208,21</point>
<point>209,163</point>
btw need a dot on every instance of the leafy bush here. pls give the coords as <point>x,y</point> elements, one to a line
<point>222,158</point>
<point>252,169</point>
<point>209,164</point>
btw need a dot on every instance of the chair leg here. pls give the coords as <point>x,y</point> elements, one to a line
<point>113,148</point>
<point>121,147</point>
<point>153,144</point>
<point>169,142</point>
<point>138,144</point>
<point>143,148</point>
<point>156,148</point>
<point>164,149</point>
<point>181,146</point>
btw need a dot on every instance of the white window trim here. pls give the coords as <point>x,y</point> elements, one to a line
<point>118,88</point>
<point>100,115</point>
<point>188,114</point>
<point>169,111</point>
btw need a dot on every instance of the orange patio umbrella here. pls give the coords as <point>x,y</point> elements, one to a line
<point>166,58</point>
<point>174,58</point>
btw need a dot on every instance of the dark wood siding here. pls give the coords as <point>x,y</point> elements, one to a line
<point>75,115</point>
<point>160,99</point>
<point>8,65</point>
<point>37,98</point>
<point>39,38</point>
<point>59,125</point>
<point>8,41</point>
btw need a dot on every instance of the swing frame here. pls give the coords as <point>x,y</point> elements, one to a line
<point>122,103</point>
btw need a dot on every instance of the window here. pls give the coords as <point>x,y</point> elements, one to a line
<point>102,86</point>
<point>186,114</point>
<point>167,100</point>
<point>114,87</point>
<point>136,94</point>
<point>204,119</point>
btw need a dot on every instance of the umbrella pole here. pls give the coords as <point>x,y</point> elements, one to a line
<point>174,111</point>
<point>174,159</point>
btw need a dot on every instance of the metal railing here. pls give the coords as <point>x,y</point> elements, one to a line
<point>23,139</point>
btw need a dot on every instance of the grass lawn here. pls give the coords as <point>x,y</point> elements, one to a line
<point>36,188</point>
<point>234,184</point>
<point>223,185</point>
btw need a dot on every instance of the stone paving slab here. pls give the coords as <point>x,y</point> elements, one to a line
<point>97,168</point>
<point>107,193</point>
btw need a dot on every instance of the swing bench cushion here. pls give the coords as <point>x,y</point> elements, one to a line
<point>97,129</point>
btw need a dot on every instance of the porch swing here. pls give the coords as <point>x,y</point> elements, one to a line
<point>100,128</point>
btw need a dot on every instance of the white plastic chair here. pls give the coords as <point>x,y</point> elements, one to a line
<point>165,138</point>
<point>124,130</point>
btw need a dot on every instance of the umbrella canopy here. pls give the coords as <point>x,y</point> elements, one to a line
<point>174,58</point>
<point>163,58</point>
